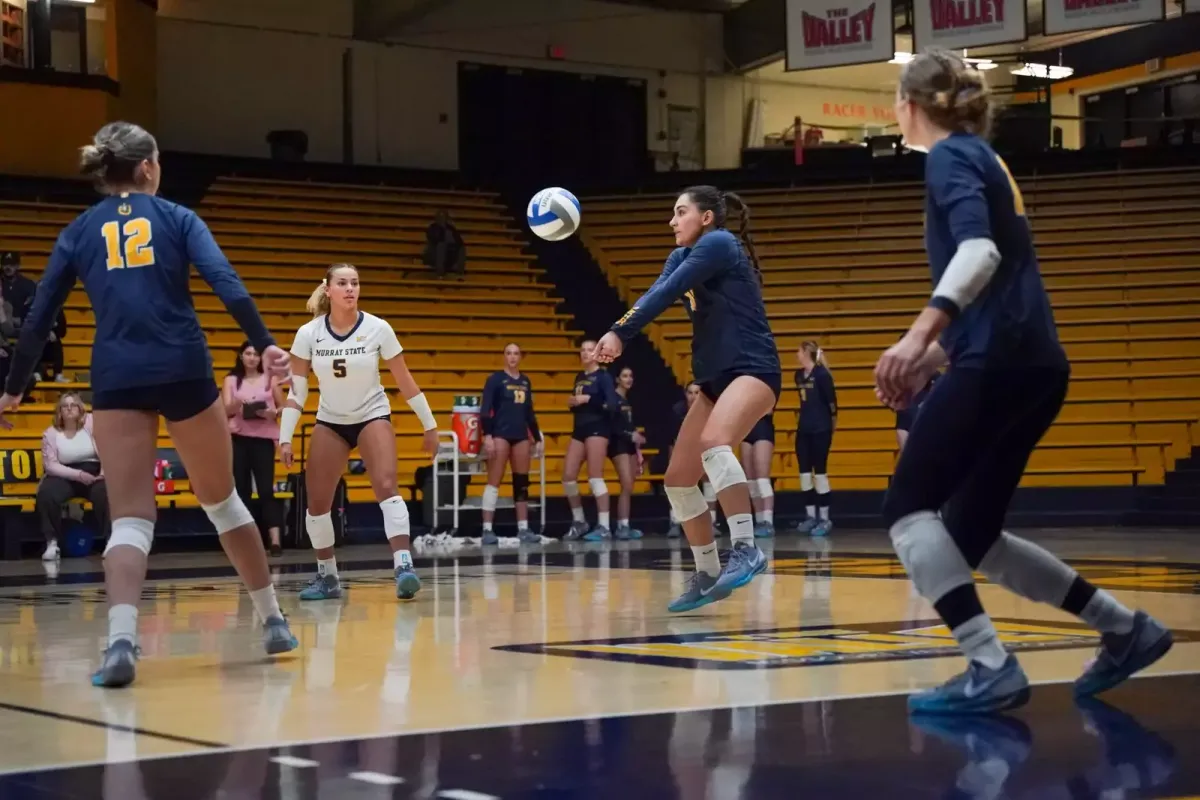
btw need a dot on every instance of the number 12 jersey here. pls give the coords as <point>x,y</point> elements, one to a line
<point>347,367</point>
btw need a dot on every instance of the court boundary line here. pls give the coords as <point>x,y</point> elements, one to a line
<point>282,746</point>
<point>111,726</point>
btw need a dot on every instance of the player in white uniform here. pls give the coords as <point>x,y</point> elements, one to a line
<point>343,346</point>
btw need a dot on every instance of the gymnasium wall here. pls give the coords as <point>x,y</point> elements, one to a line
<point>230,71</point>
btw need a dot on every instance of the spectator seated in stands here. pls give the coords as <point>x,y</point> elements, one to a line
<point>444,248</point>
<point>71,469</point>
<point>18,289</point>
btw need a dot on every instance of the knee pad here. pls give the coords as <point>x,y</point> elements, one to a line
<point>723,468</point>
<point>520,487</point>
<point>764,488</point>
<point>395,517</point>
<point>1028,570</point>
<point>598,486</point>
<point>687,502</point>
<point>806,481</point>
<point>707,492</point>
<point>492,493</point>
<point>754,490</point>
<point>571,488</point>
<point>320,530</point>
<point>821,483</point>
<point>131,532</point>
<point>929,555</point>
<point>229,514</point>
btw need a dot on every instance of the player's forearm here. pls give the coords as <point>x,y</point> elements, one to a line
<point>935,357</point>
<point>929,325</point>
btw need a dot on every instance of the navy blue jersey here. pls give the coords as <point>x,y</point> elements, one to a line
<point>507,409</point>
<point>818,400</point>
<point>623,425</point>
<point>133,253</point>
<point>972,195</point>
<point>603,402</point>
<point>724,301</point>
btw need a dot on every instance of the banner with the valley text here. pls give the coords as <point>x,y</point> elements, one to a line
<point>834,33</point>
<point>1066,16</point>
<point>955,24</point>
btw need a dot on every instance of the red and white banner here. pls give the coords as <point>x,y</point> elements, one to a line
<point>955,24</point>
<point>833,33</point>
<point>1065,16</point>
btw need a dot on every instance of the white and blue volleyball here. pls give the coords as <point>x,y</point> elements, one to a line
<point>553,214</point>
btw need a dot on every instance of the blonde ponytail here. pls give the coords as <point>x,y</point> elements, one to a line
<point>815,353</point>
<point>318,301</point>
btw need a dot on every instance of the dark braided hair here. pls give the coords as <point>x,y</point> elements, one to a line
<point>710,198</point>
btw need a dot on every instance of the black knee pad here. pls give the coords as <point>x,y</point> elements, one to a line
<point>520,487</point>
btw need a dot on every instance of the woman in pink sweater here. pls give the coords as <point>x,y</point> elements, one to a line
<point>252,402</point>
<point>71,468</point>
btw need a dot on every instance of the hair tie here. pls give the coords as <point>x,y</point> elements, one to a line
<point>943,99</point>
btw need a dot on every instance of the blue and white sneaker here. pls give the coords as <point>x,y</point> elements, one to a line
<point>807,525</point>
<point>577,531</point>
<point>764,531</point>
<point>823,527</point>
<point>1121,656</point>
<point>675,531</point>
<point>979,690</point>
<point>598,534</point>
<point>322,587</point>
<point>745,561</point>
<point>407,582</point>
<point>529,537</point>
<point>118,666</point>
<point>277,637</point>
<point>489,538</point>
<point>695,595</point>
<point>622,532</point>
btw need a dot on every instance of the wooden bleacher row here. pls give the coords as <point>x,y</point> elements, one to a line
<point>846,266</point>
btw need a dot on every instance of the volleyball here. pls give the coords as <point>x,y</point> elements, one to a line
<point>553,214</point>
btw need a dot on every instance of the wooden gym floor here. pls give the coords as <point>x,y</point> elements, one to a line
<point>556,672</point>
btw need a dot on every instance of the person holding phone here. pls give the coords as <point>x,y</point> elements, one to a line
<point>252,401</point>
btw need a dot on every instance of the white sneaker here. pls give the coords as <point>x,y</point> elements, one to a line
<point>60,378</point>
<point>51,553</point>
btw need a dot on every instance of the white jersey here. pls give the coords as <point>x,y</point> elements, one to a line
<point>347,367</point>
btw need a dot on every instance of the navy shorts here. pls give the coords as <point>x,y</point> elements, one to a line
<point>176,401</point>
<point>812,451</point>
<point>586,430</point>
<point>713,389</point>
<point>621,446</point>
<point>763,431</point>
<point>350,432</point>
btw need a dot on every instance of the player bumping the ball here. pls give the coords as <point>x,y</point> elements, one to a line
<point>735,363</point>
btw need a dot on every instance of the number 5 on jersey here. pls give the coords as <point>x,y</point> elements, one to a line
<point>128,245</point>
<point>339,368</point>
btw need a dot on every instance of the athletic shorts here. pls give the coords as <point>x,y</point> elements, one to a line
<point>763,431</point>
<point>351,431</point>
<point>586,430</point>
<point>176,401</point>
<point>812,451</point>
<point>713,389</point>
<point>621,446</point>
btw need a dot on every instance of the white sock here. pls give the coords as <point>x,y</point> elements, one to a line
<point>768,516</point>
<point>266,605</point>
<point>401,558</point>
<point>812,511</point>
<point>674,519</point>
<point>978,640</point>
<point>487,527</point>
<point>824,512</point>
<point>327,566</point>
<point>623,523</point>
<point>522,525</point>
<point>712,512</point>
<point>707,559</point>
<point>577,514</point>
<point>741,528</point>
<point>122,623</point>
<point>602,519</point>
<point>1106,615</point>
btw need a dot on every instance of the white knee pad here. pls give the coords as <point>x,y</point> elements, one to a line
<point>490,495</point>
<point>806,482</point>
<point>687,502</point>
<point>764,488</point>
<point>229,514</point>
<point>723,468</point>
<point>320,530</point>
<point>1028,570</point>
<point>571,488</point>
<point>707,492</point>
<point>395,517</point>
<point>598,486</point>
<point>930,556</point>
<point>754,490</point>
<point>821,482</point>
<point>131,532</point>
